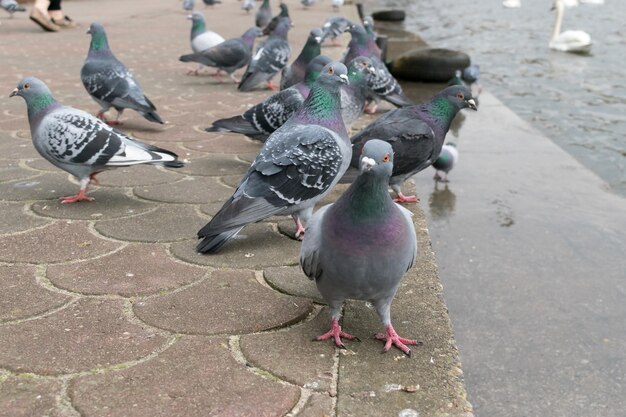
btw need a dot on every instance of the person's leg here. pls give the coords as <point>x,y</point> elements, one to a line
<point>54,10</point>
<point>39,14</point>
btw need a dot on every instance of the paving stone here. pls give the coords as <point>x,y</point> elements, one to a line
<point>196,377</point>
<point>10,170</point>
<point>292,355</point>
<point>193,190</point>
<point>14,149</point>
<point>16,219</point>
<point>229,301</point>
<point>109,203</point>
<point>60,241</point>
<point>257,246</point>
<point>29,397</point>
<point>47,186</point>
<point>291,280</point>
<point>21,296</point>
<point>88,334</point>
<point>138,269</point>
<point>225,143</point>
<point>139,175</point>
<point>215,165</point>
<point>167,223</point>
<point>318,405</point>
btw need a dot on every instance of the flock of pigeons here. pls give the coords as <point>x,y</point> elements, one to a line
<point>357,248</point>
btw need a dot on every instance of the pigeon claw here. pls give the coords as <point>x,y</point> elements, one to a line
<point>336,334</point>
<point>81,196</point>
<point>272,86</point>
<point>392,338</point>
<point>401,198</point>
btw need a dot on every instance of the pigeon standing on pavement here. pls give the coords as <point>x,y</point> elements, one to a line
<point>361,246</point>
<point>271,57</point>
<point>354,94</point>
<point>11,6</point>
<point>79,143</point>
<point>336,4</point>
<point>227,56</point>
<point>284,12</point>
<point>294,73</point>
<point>335,26</point>
<point>416,134</point>
<point>448,157</point>
<point>262,119</point>
<point>297,166</point>
<point>201,38</point>
<point>110,83</point>
<point>307,3</point>
<point>263,15</point>
<point>211,2</point>
<point>247,5</point>
<point>188,5</point>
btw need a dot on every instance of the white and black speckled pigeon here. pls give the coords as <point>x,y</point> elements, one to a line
<point>270,57</point>
<point>11,6</point>
<point>294,73</point>
<point>188,5</point>
<point>110,83</point>
<point>361,246</point>
<point>263,15</point>
<point>354,95</point>
<point>284,12</point>
<point>79,143</point>
<point>448,157</point>
<point>297,166</point>
<point>335,26</point>
<point>247,5</point>
<point>416,134</point>
<point>229,55</point>
<point>201,37</point>
<point>261,120</point>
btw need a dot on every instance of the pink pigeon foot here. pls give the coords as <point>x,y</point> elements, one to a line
<point>299,228</point>
<point>392,338</point>
<point>81,196</point>
<point>371,108</point>
<point>336,334</point>
<point>401,198</point>
<point>272,86</point>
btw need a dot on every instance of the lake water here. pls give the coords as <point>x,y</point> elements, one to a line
<point>577,101</point>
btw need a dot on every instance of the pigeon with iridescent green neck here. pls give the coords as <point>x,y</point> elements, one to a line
<point>201,37</point>
<point>79,143</point>
<point>294,73</point>
<point>361,246</point>
<point>110,83</point>
<point>354,95</point>
<point>261,120</point>
<point>297,166</point>
<point>448,157</point>
<point>416,134</point>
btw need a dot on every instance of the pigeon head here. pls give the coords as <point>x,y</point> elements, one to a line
<point>368,24</point>
<point>360,68</point>
<point>282,27</point>
<point>98,37</point>
<point>377,158</point>
<point>284,10</point>
<point>314,69</point>
<point>250,34</point>
<point>458,96</point>
<point>316,35</point>
<point>335,71</point>
<point>36,94</point>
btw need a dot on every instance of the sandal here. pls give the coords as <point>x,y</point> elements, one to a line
<point>65,23</point>
<point>43,20</point>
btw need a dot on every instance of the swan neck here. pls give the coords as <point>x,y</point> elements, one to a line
<point>559,20</point>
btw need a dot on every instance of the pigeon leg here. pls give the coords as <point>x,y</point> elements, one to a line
<point>392,338</point>
<point>116,122</point>
<point>232,77</point>
<point>336,334</point>
<point>437,177</point>
<point>100,115</point>
<point>299,227</point>
<point>371,107</point>
<point>401,198</point>
<point>272,86</point>
<point>81,196</point>
<point>92,178</point>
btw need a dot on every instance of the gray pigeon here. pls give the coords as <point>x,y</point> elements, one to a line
<point>211,2</point>
<point>471,75</point>
<point>11,6</point>
<point>307,3</point>
<point>361,246</point>
<point>263,15</point>
<point>284,12</point>
<point>297,166</point>
<point>247,5</point>
<point>79,143</point>
<point>188,5</point>
<point>368,24</point>
<point>201,38</point>
<point>457,79</point>
<point>335,26</point>
<point>294,73</point>
<point>416,134</point>
<point>271,57</point>
<point>229,55</point>
<point>261,120</point>
<point>354,94</point>
<point>110,83</point>
<point>448,157</point>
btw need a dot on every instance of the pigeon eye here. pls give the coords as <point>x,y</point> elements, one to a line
<point>386,158</point>
<point>26,86</point>
<point>460,96</point>
<point>330,70</point>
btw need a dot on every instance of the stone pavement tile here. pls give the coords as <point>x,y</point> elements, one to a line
<point>87,334</point>
<point>12,148</point>
<point>21,296</point>
<point>29,397</point>
<point>228,143</point>
<point>197,376</point>
<point>168,223</point>
<point>40,164</point>
<point>291,280</point>
<point>228,301</point>
<point>46,186</point>
<point>109,203</point>
<point>215,165</point>
<point>318,405</point>
<point>59,241</point>
<point>257,246</point>
<point>11,171</point>
<point>192,190</point>
<point>15,218</point>
<point>138,269</point>
<point>291,354</point>
<point>139,175</point>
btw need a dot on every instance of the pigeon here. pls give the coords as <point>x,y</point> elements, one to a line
<point>247,5</point>
<point>307,3</point>
<point>261,120</point>
<point>110,83</point>
<point>294,73</point>
<point>448,157</point>
<point>297,166</point>
<point>361,246</point>
<point>188,5</point>
<point>336,4</point>
<point>471,76</point>
<point>335,26</point>
<point>11,6</point>
<point>284,12</point>
<point>382,84</point>
<point>457,79</point>
<point>201,38</point>
<point>263,15</point>
<point>211,2</point>
<point>271,57</point>
<point>227,56</point>
<point>416,134</point>
<point>354,94</point>
<point>368,24</point>
<point>79,143</point>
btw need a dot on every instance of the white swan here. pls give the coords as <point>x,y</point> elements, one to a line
<point>592,1</point>
<point>570,40</point>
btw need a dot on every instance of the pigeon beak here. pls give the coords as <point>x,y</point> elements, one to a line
<point>367,164</point>
<point>371,70</point>
<point>189,17</point>
<point>344,78</point>
<point>472,104</point>
<point>318,39</point>
<point>14,93</point>
<point>88,31</point>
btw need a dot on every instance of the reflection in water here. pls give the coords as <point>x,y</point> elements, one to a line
<point>441,202</point>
